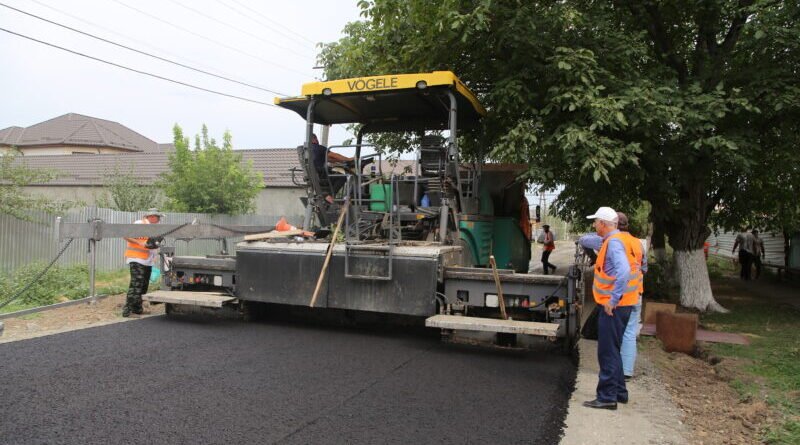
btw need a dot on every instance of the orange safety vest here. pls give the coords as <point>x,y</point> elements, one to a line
<point>137,250</point>
<point>604,284</point>
<point>637,251</point>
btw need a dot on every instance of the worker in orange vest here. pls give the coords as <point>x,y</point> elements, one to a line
<point>140,255</point>
<point>616,288</point>
<point>549,245</point>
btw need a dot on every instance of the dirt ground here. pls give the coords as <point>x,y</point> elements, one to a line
<point>712,408</point>
<point>105,311</point>
<point>701,385</point>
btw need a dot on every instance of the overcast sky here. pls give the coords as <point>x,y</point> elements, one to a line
<point>267,44</point>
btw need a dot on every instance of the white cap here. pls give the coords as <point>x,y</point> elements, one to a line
<point>604,213</point>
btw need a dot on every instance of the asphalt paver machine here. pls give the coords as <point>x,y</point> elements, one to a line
<point>444,243</point>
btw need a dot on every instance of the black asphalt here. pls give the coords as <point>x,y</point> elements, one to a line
<point>203,381</point>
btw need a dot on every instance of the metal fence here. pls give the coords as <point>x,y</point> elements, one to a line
<point>25,242</point>
<point>721,244</point>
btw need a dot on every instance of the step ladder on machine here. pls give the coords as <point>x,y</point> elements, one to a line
<point>358,251</point>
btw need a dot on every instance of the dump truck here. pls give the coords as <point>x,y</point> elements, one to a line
<point>445,243</point>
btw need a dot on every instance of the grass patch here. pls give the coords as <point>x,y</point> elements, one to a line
<point>58,284</point>
<point>719,267</point>
<point>772,358</point>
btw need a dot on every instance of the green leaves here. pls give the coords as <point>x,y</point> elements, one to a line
<point>593,96</point>
<point>15,175</point>
<point>209,179</point>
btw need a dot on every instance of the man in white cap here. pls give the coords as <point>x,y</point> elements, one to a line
<point>141,254</point>
<point>616,289</point>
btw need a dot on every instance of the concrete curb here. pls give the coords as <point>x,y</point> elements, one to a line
<point>650,417</point>
<point>48,307</point>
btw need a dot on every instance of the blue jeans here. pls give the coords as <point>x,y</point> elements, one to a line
<point>611,381</point>
<point>628,349</point>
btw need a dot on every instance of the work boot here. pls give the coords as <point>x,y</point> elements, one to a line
<point>597,404</point>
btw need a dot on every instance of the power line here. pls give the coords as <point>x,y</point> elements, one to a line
<point>137,71</point>
<point>141,52</point>
<point>267,25</point>
<point>273,21</point>
<point>236,28</point>
<point>232,48</point>
<point>106,29</point>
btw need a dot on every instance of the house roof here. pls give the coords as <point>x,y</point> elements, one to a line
<point>90,169</point>
<point>79,130</point>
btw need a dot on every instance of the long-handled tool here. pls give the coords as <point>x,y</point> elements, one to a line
<point>330,252</point>
<point>500,300</point>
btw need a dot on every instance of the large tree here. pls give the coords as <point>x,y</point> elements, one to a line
<point>616,101</point>
<point>210,178</point>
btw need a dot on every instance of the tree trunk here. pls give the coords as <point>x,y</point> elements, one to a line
<point>692,274</point>
<point>688,230</point>
<point>659,243</point>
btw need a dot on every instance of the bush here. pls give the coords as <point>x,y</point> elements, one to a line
<point>719,267</point>
<point>658,284</point>
<point>70,282</point>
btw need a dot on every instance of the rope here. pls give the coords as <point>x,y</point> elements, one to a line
<point>38,276</point>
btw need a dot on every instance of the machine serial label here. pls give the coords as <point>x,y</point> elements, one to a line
<point>372,84</point>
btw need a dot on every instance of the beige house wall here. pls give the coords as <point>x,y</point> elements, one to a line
<point>63,150</point>
<point>279,201</point>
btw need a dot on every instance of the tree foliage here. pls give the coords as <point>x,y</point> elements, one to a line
<point>124,191</point>
<point>210,178</point>
<point>678,103</point>
<point>14,177</point>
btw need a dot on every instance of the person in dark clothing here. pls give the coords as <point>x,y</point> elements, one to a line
<point>318,158</point>
<point>758,252</point>
<point>744,241</point>
<point>549,247</point>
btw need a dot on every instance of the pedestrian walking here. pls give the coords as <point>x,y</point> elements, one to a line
<point>758,252</point>
<point>549,247</point>
<point>616,289</point>
<point>140,255</point>
<point>744,241</point>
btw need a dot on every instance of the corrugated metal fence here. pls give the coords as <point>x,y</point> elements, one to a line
<point>722,243</point>
<point>25,242</point>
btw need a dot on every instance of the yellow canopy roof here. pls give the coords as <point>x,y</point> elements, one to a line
<point>401,102</point>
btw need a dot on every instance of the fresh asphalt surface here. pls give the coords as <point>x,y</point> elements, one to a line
<point>193,380</point>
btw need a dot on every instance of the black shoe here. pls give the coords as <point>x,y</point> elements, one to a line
<point>126,312</point>
<point>138,311</point>
<point>622,400</point>
<point>628,378</point>
<point>600,405</point>
<point>554,268</point>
